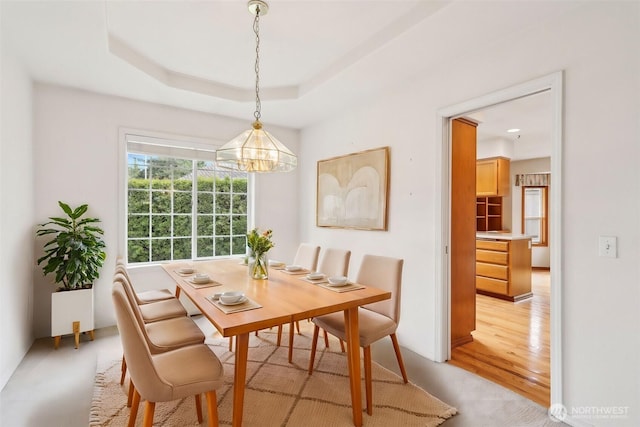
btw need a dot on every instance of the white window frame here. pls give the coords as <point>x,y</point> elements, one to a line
<point>170,145</point>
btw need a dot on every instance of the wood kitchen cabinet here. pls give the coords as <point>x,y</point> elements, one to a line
<point>492,177</point>
<point>503,268</point>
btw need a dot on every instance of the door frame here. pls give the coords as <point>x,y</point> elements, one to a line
<point>554,83</point>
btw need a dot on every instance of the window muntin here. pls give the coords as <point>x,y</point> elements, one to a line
<point>180,208</point>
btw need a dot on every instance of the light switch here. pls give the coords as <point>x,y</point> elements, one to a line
<point>608,246</point>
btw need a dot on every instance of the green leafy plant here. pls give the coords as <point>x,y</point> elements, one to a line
<point>76,252</point>
<point>259,243</point>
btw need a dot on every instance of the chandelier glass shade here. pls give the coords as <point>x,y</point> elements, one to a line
<point>256,150</point>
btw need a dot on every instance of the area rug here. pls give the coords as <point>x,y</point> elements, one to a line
<point>279,393</point>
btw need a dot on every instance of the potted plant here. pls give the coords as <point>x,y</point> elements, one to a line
<point>74,255</point>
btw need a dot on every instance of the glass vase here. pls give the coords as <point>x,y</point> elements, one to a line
<point>259,266</point>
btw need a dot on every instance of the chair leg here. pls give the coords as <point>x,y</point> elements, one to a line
<point>396,348</point>
<point>367,379</point>
<point>291,332</point>
<point>133,414</point>
<point>123,369</point>
<point>326,338</point>
<point>230,343</point>
<point>314,343</point>
<point>198,398</point>
<point>342,345</point>
<point>132,390</point>
<point>149,409</point>
<point>279,336</point>
<point>212,408</point>
<point>298,327</point>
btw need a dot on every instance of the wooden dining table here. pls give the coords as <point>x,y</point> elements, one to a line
<point>284,298</point>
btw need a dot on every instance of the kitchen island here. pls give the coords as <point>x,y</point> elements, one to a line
<point>503,265</point>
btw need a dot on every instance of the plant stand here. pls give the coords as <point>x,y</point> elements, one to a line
<point>72,313</point>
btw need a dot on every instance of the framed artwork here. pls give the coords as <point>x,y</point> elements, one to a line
<point>353,190</point>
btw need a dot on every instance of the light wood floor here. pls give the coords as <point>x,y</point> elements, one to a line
<point>511,342</point>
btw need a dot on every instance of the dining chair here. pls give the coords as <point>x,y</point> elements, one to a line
<point>334,262</point>
<point>152,311</point>
<point>172,375</point>
<point>162,335</point>
<point>376,320</point>
<point>307,258</point>
<point>144,297</point>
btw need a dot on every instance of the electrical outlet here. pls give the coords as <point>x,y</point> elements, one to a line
<point>608,246</point>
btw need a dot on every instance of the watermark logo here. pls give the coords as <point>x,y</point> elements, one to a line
<point>559,413</point>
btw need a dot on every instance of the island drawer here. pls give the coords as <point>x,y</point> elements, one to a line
<point>492,245</point>
<point>491,285</point>
<point>492,257</point>
<point>492,270</point>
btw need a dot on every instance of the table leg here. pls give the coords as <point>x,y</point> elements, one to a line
<point>240,377</point>
<point>353,357</point>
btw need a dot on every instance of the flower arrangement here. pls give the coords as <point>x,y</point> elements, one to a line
<point>259,244</point>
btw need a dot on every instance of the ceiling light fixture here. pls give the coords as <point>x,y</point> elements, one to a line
<point>256,150</point>
<point>514,130</point>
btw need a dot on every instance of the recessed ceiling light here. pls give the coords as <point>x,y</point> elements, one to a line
<point>514,130</point>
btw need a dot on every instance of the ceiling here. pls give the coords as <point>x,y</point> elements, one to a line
<point>200,55</point>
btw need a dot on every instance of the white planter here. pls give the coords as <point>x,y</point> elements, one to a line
<point>71,308</point>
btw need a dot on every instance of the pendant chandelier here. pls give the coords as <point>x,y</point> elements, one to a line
<point>256,150</point>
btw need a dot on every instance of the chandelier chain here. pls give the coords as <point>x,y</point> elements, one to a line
<point>256,30</point>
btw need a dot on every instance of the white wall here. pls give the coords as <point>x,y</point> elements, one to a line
<point>76,161</point>
<point>540,255</point>
<point>597,45</point>
<point>16,215</point>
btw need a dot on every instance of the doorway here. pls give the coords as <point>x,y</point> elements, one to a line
<point>553,84</point>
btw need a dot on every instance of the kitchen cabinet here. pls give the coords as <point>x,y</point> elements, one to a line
<point>503,266</point>
<point>492,177</point>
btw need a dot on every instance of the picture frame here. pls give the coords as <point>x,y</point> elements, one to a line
<point>353,190</point>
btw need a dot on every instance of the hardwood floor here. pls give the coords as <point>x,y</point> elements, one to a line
<point>511,342</point>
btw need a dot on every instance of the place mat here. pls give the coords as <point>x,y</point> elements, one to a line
<point>249,304</point>
<point>209,284</point>
<point>345,288</point>
<point>313,282</point>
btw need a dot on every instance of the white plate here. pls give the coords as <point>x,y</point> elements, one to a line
<point>337,285</point>
<point>201,280</point>
<point>293,268</point>
<point>185,270</point>
<point>240,301</point>
<point>315,276</point>
<point>273,263</point>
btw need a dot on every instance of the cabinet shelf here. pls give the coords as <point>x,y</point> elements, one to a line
<point>488,213</point>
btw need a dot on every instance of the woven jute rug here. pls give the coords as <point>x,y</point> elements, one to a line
<point>279,393</point>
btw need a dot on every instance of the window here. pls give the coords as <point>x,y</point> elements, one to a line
<point>534,214</point>
<point>179,206</point>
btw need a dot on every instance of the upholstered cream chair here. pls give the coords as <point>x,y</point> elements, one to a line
<point>376,320</point>
<point>162,335</point>
<point>334,262</point>
<point>152,310</point>
<point>307,258</point>
<point>175,374</point>
<point>144,297</point>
